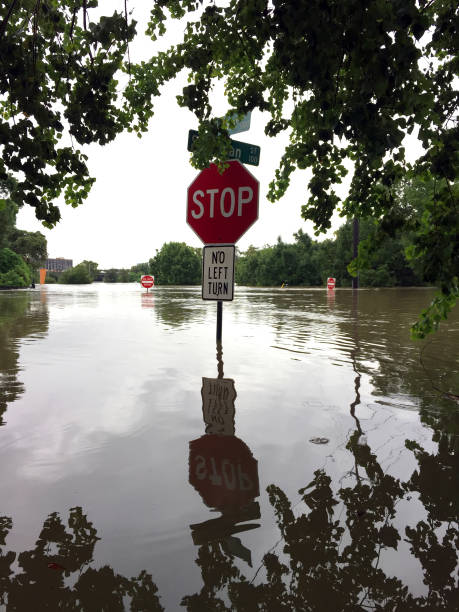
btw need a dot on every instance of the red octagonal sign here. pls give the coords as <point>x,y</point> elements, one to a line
<point>223,471</point>
<point>222,207</point>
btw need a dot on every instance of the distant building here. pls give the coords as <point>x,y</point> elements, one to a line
<point>59,264</point>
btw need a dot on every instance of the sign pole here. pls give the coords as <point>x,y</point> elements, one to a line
<point>219,320</point>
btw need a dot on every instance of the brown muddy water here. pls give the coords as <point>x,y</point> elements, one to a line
<point>308,466</point>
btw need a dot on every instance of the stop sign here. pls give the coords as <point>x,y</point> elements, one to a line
<point>331,282</point>
<point>222,207</point>
<point>223,471</point>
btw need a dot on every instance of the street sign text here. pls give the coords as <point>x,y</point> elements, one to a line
<point>242,151</point>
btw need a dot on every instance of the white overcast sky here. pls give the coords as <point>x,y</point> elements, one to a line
<point>139,199</point>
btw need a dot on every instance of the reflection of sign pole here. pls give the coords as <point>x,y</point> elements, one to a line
<point>224,528</point>
<point>220,361</point>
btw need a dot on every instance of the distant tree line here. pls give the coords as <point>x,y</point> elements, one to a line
<point>84,273</point>
<point>175,263</point>
<point>386,258</point>
<point>386,255</point>
<point>306,262</point>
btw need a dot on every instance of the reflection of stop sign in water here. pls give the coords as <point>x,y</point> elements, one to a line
<point>331,283</point>
<point>147,281</point>
<point>223,471</point>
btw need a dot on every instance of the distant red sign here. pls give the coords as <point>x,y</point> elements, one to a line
<point>223,471</point>
<point>331,283</point>
<point>147,281</point>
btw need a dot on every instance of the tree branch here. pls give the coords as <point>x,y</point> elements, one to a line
<point>7,17</point>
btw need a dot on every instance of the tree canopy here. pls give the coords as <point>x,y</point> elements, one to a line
<point>14,272</point>
<point>57,74</point>
<point>31,245</point>
<point>347,80</point>
<point>8,213</point>
<point>78,275</point>
<point>306,262</point>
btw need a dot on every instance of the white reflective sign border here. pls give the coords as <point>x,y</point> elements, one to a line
<point>218,272</point>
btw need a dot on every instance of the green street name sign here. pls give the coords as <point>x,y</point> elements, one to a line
<point>242,151</point>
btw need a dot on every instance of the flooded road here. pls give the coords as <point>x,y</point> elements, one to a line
<point>307,464</point>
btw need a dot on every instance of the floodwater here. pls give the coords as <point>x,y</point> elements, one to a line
<point>307,464</point>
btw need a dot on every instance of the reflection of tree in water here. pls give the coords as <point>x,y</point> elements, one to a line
<point>56,574</point>
<point>329,563</point>
<point>424,374</point>
<point>333,551</point>
<point>20,317</point>
<point>175,310</point>
<point>332,565</point>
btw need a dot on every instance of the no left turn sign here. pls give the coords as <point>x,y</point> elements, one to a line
<point>218,272</point>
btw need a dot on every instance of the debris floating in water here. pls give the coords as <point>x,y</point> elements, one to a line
<point>319,440</point>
